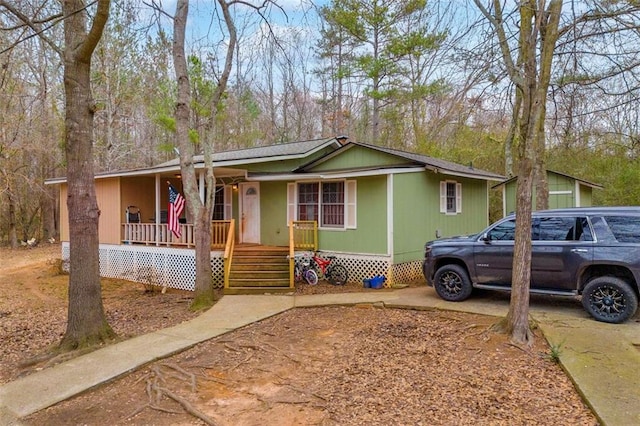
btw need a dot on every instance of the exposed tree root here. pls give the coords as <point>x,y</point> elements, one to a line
<point>156,389</point>
<point>188,407</point>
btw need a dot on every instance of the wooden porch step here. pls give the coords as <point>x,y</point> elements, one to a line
<point>259,269</point>
<point>259,282</point>
<point>258,290</point>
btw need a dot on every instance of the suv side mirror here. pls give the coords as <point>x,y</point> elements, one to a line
<point>485,237</point>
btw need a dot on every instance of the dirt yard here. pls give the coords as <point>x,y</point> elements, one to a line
<point>314,366</point>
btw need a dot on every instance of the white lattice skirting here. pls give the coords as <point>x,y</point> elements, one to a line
<point>162,266</point>
<point>176,267</point>
<point>361,266</point>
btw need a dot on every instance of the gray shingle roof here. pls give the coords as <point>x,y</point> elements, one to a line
<point>435,163</point>
<point>266,152</point>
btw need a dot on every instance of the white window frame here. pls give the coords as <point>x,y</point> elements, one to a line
<point>227,212</point>
<point>444,196</point>
<point>349,201</point>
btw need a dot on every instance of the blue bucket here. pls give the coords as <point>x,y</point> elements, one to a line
<point>366,283</point>
<point>377,281</point>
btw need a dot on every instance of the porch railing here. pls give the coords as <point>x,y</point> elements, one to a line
<point>220,232</point>
<point>159,234</point>
<point>228,252</point>
<point>303,235</point>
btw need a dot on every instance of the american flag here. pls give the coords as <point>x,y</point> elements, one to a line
<point>176,205</point>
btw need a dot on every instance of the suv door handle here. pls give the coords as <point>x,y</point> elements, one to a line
<point>579,251</point>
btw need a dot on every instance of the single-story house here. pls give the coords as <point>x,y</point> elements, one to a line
<point>564,191</point>
<point>371,207</point>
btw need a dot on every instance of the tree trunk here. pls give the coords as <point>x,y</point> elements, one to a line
<point>13,233</point>
<point>204,295</point>
<point>518,315</point>
<point>87,323</point>
<point>511,139</point>
<point>540,182</point>
<point>533,85</point>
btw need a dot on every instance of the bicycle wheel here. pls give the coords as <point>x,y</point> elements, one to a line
<point>311,277</point>
<point>297,273</point>
<point>337,275</point>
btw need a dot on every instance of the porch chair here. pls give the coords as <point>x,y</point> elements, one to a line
<point>132,214</point>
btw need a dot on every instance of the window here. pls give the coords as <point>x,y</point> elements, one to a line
<point>505,231</point>
<point>450,197</point>
<point>308,201</point>
<point>562,229</point>
<point>328,210</point>
<point>222,203</point>
<point>626,229</point>
<point>556,228</point>
<point>331,204</point>
<point>218,203</point>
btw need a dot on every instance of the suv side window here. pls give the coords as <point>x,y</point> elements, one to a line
<point>505,231</point>
<point>556,228</point>
<point>626,229</point>
<point>562,229</point>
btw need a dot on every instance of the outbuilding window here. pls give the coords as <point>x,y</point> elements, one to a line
<point>450,197</point>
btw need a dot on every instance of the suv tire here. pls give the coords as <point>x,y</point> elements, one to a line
<point>609,299</point>
<point>452,283</point>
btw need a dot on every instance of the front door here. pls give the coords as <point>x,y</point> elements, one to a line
<point>250,212</point>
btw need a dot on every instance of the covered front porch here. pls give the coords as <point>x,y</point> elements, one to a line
<point>158,262</point>
<point>152,255</point>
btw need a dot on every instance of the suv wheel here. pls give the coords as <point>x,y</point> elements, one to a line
<point>452,283</point>
<point>609,299</point>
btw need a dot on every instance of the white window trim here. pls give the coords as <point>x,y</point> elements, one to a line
<point>443,197</point>
<point>228,205</point>
<point>350,203</point>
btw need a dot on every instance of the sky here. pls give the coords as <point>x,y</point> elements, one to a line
<point>205,29</point>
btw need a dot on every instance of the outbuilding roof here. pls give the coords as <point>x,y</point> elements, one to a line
<point>582,181</point>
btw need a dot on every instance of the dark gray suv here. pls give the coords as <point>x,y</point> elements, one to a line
<point>593,252</point>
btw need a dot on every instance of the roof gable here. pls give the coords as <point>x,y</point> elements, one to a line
<point>356,155</point>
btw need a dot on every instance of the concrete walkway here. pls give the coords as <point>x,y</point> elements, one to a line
<point>603,360</point>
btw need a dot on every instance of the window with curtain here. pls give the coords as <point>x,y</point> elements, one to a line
<point>333,204</point>
<point>308,196</point>
<point>323,202</point>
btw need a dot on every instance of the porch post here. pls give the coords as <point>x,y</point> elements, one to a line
<point>201,184</point>
<point>157,216</point>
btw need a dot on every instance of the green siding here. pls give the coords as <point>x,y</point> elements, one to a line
<point>417,216</point>
<point>358,157</point>
<point>371,234</point>
<point>273,214</point>
<point>368,237</point>
<point>586,198</point>
<point>558,183</point>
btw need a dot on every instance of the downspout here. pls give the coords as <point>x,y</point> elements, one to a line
<point>157,207</point>
<point>390,232</point>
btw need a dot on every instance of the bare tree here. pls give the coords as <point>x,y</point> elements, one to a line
<point>530,73</point>
<point>86,323</point>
